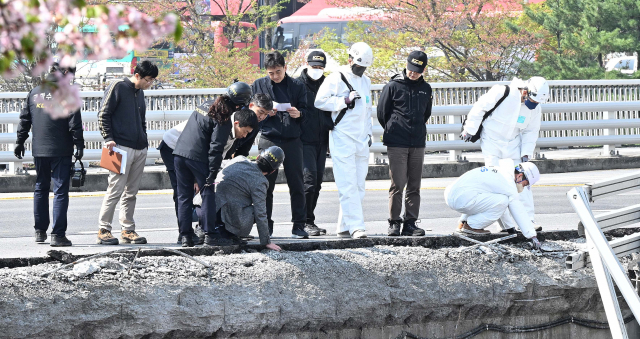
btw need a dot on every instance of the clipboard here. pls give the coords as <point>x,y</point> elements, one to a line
<point>115,161</point>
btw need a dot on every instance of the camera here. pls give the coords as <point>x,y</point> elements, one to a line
<point>78,174</point>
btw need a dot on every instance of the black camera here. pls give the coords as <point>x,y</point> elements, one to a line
<point>78,174</point>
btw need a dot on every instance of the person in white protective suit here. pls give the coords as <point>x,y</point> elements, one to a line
<point>485,194</point>
<point>511,131</point>
<point>350,139</point>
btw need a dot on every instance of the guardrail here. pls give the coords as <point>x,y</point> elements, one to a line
<point>579,113</point>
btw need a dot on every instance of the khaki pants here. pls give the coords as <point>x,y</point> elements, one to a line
<point>405,169</point>
<point>123,187</point>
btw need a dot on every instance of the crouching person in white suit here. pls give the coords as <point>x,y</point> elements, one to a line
<point>350,139</point>
<point>485,194</point>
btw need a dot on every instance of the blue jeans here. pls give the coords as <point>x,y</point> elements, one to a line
<point>58,169</point>
<point>187,172</point>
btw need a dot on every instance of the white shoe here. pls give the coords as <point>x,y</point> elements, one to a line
<point>359,234</point>
<point>344,234</point>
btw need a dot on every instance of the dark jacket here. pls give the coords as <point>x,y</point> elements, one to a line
<point>404,107</point>
<point>282,126</point>
<point>316,123</point>
<point>51,138</point>
<point>243,146</point>
<point>122,115</point>
<point>203,139</point>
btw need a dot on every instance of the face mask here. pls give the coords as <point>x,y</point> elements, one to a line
<point>357,70</point>
<point>315,73</point>
<point>530,104</point>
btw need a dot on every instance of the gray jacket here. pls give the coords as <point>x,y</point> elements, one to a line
<point>241,194</point>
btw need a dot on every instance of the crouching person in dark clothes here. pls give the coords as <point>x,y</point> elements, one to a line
<point>198,154</point>
<point>241,198</point>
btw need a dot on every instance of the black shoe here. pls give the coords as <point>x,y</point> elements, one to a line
<point>511,230</point>
<point>196,239</point>
<point>298,232</point>
<point>410,229</point>
<point>187,241</point>
<point>59,241</point>
<point>394,228</point>
<point>312,230</point>
<point>41,235</point>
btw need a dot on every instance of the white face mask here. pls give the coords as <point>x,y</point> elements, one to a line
<point>519,187</point>
<point>315,73</point>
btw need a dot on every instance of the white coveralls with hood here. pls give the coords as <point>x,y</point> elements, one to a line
<point>349,140</point>
<point>511,131</point>
<point>485,194</point>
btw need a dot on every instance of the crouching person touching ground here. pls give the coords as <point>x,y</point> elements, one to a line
<point>484,195</point>
<point>241,198</point>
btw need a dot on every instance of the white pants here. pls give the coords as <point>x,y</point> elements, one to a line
<point>493,151</point>
<point>479,210</point>
<point>350,165</point>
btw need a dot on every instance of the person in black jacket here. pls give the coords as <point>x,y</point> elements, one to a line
<point>52,148</point>
<point>197,158</point>
<point>315,138</point>
<point>261,105</point>
<point>282,129</point>
<point>404,108</point>
<point>122,123</point>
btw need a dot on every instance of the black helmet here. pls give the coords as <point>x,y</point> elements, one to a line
<point>240,93</point>
<point>274,156</point>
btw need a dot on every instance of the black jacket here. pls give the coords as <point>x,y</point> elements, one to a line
<point>404,107</point>
<point>122,115</point>
<point>316,123</point>
<point>51,138</point>
<point>282,126</point>
<point>203,139</point>
<point>242,146</point>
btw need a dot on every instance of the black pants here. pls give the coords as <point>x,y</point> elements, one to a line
<point>58,169</point>
<point>166,153</point>
<point>315,158</point>
<point>187,172</point>
<point>293,169</point>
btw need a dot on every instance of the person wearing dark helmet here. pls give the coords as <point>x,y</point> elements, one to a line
<point>198,154</point>
<point>241,198</point>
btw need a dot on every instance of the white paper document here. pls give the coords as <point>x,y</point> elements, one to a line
<point>123,166</point>
<point>281,107</point>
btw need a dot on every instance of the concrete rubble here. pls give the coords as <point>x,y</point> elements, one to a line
<point>372,292</point>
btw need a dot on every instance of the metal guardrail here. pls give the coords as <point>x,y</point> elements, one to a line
<point>579,113</point>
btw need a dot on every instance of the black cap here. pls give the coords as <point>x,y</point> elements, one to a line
<point>317,58</point>
<point>240,93</point>
<point>417,61</point>
<point>274,156</point>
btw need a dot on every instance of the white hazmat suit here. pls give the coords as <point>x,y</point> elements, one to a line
<point>349,143</point>
<point>485,194</point>
<point>510,132</point>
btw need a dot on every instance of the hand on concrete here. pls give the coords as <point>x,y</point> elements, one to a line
<point>293,112</point>
<point>465,136</point>
<point>535,243</point>
<point>274,247</point>
<point>18,151</point>
<point>110,145</point>
<point>525,158</point>
<point>79,153</point>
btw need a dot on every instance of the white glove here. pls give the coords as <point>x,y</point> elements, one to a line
<point>525,158</point>
<point>465,136</point>
<point>353,95</point>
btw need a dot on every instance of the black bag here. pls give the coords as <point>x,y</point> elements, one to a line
<point>476,137</point>
<point>78,174</point>
<point>344,110</point>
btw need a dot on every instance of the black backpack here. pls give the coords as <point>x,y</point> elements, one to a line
<point>476,136</point>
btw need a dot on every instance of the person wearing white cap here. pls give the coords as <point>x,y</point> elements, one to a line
<point>485,194</point>
<point>507,120</point>
<point>347,95</point>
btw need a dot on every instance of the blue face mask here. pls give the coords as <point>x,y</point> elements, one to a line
<point>530,104</point>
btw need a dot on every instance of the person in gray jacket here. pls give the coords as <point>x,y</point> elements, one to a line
<point>241,198</point>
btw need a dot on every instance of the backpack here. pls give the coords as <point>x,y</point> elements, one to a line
<point>476,136</point>
<point>344,110</point>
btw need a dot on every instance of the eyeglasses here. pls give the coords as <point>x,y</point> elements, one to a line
<point>149,81</point>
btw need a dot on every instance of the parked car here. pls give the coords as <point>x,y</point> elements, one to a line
<point>626,65</point>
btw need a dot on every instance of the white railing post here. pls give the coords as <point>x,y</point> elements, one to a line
<point>13,167</point>
<point>608,149</point>
<point>454,155</point>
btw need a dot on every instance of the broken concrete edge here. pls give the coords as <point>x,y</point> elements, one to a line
<point>434,242</point>
<point>155,180</point>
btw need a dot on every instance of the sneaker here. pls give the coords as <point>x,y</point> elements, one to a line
<point>344,234</point>
<point>394,228</point>
<point>538,228</point>
<point>105,237</point>
<point>59,241</point>
<point>323,231</point>
<point>129,237</point>
<point>468,230</point>
<point>187,241</point>
<point>299,233</point>
<point>312,230</point>
<point>41,235</point>
<point>410,229</point>
<point>359,234</point>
